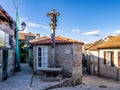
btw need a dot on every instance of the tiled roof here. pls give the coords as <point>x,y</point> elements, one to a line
<point>86,46</point>
<point>5,15</point>
<point>22,36</point>
<point>38,39</point>
<point>58,40</point>
<point>94,45</point>
<point>112,42</point>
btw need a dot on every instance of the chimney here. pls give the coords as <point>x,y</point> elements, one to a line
<point>37,36</point>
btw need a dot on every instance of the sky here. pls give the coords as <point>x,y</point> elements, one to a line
<point>83,20</point>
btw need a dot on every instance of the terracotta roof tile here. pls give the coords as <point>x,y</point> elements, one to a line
<point>38,39</point>
<point>112,42</point>
<point>22,36</point>
<point>58,40</point>
<point>5,15</point>
<point>94,45</point>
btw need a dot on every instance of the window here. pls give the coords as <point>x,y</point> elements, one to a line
<point>104,57</point>
<point>109,58</point>
<point>42,57</point>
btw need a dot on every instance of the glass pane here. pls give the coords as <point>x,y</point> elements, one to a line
<point>39,64</point>
<point>39,59</point>
<point>39,49</point>
<point>39,53</point>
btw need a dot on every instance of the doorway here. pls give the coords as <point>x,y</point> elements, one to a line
<point>4,63</point>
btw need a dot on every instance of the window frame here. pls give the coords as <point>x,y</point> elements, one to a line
<point>44,57</point>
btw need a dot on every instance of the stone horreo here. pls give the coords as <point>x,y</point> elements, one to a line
<point>68,58</point>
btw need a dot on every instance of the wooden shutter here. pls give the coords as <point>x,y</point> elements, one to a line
<point>104,57</point>
<point>118,59</point>
<point>112,59</point>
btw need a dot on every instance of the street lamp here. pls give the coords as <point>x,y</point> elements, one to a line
<point>23,25</point>
<point>17,53</point>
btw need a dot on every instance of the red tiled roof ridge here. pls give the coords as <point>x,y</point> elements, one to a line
<point>67,39</point>
<point>58,39</point>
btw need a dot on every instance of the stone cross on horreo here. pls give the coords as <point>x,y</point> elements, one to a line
<point>53,19</point>
<point>53,24</point>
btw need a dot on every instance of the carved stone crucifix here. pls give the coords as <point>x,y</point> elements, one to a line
<point>53,25</point>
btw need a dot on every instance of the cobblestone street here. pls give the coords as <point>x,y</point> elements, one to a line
<point>95,83</point>
<point>22,81</point>
<point>19,81</point>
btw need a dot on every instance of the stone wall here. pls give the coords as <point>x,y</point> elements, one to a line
<point>34,58</point>
<point>64,56</point>
<point>7,29</point>
<point>107,70</point>
<point>68,57</point>
<point>11,63</point>
<point>93,63</point>
<point>77,64</point>
<point>1,65</point>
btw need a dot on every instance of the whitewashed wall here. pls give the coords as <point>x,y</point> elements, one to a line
<point>107,70</point>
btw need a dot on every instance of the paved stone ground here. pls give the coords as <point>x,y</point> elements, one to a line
<point>19,81</point>
<point>95,83</point>
<point>22,81</point>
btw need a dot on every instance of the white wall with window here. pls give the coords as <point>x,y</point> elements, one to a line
<point>109,56</point>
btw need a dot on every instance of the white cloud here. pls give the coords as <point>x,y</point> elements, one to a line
<point>75,30</point>
<point>116,32</point>
<point>92,33</point>
<point>35,25</point>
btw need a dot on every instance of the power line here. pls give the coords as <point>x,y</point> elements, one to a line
<point>16,7</point>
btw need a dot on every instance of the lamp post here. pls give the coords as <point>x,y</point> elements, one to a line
<point>17,53</point>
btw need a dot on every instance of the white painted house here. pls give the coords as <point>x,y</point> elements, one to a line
<point>92,57</point>
<point>109,58</point>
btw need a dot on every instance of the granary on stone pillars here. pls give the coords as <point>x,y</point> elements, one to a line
<point>68,57</point>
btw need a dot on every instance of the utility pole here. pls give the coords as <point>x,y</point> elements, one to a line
<point>53,25</point>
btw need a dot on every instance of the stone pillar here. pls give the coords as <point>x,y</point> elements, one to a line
<point>77,65</point>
